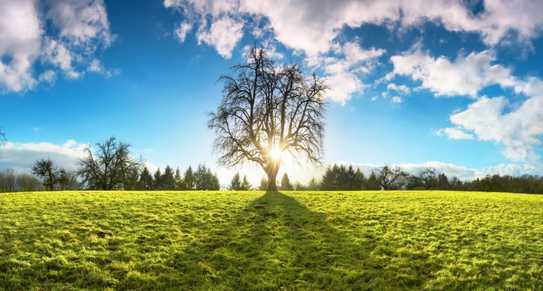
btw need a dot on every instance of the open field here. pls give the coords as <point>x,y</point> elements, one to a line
<point>252,240</point>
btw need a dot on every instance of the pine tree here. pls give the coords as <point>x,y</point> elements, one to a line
<point>285,182</point>
<point>245,185</point>
<point>146,180</point>
<point>167,179</point>
<point>236,182</point>
<point>157,185</point>
<point>179,183</point>
<point>189,179</point>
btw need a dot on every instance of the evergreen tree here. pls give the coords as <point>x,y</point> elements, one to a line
<point>189,179</point>
<point>285,182</point>
<point>167,179</point>
<point>236,182</point>
<point>157,185</point>
<point>146,180</point>
<point>245,185</point>
<point>179,183</point>
<point>373,182</point>
<point>204,179</point>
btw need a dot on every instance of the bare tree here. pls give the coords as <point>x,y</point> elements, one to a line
<point>108,167</point>
<point>45,169</point>
<point>389,177</point>
<point>267,111</point>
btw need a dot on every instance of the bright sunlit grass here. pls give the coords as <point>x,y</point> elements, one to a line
<point>251,240</point>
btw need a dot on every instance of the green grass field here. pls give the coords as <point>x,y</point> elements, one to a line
<point>252,240</point>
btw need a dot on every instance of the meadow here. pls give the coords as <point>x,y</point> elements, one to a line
<point>254,240</point>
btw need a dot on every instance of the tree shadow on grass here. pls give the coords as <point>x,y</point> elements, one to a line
<point>274,243</point>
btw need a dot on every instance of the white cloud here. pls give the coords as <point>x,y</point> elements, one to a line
<point>398,88</point>
<point>77,30</point>
<point>21,156</point>
<point>80,21</point>
<point>343,68</point>
<point>312,25</point>
<point>182,31</point>
<point>223,34</point>
<point>465,76</point>
<point>519,129</point>
<point>20,40</point>
<point>454,133</point>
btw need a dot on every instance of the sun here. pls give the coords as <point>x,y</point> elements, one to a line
<point>276,153</point>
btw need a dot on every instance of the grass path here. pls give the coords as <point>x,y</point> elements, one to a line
<point>252,240</point>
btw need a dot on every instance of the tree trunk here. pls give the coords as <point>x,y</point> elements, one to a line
<point>272,181</point>
<point>271,170</point>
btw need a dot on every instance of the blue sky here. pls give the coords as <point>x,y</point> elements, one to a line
<point>410,84</point>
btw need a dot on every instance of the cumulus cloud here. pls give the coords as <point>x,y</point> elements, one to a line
<point>21,156</point>
<point>519,129</point>
<point>464,76</point>
<point>20,41</point>
<point>63,35</point>
<point>223,34</point>
<point>312,25</point>
<point>343,68</point>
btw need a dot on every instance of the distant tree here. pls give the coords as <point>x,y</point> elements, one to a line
<point>157,180</point>
<point>389,177</point>
<point>132,177</point>
<point>245,185</point>
<point>146,180</point>
<point>8,181</point>
<point>189,179</point>
<point>45,169</point>
<point>267,110</point>
<point>108,166</point>
<point>168,179</point>
<point>205,180</point>
<point>285,183</point>
<point>373,182</point>
<point>66,180</point>
<point>179,183</point>
<point>313,184</point>
<point>235,184</point>
<point>26,182</point>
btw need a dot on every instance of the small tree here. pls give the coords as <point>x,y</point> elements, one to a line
<point>108,166</point>
<point>66,180</point>
<point>168,179</point>
<point>235,184</point>
<point>266,111</point>
<point>245,185</point>
<point>146,180</point>
<point>179,183</point>
<point>45,169</point>
<point>189,179</point>
<point>285,182</point>
<point>389,177</point>
<point>157,181</point>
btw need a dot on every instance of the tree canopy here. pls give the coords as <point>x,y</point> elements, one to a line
<point>268,110</point>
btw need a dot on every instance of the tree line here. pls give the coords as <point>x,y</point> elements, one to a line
<point>341,177</point>
<point>107,166</point>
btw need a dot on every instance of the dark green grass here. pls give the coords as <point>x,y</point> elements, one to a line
<point>252,240</point>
